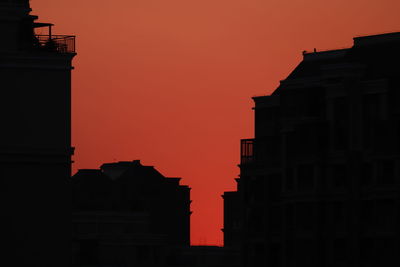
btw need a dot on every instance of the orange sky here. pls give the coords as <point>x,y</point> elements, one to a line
<point>170,81</point>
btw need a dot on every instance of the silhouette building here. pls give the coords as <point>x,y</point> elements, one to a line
<point>232,219</point>
<point>205,256</point>
<point>35,139</point>
<point>320,181</point>
<point>128,214</point>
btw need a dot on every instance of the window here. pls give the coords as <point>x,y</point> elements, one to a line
<point>398,135</point>
<point>289,216</point>
<point>313,102</point>
<point>274,187</point>
<point>275,257</point>
<point>289,179</point>
<point>385,172</point>
<point>367,215</point>
<point>386,251</point>
<point>259,188</point>
<point>305,218</point>
<point>339,176</point>
<point>259,251</point>
<point>372,112</point>
<point>305,252</point>
<point>367,174</point>
<point>339,250</point>
<point>339,215</point>
<point>340,123</point>
<point>367,252</point>
<point>386,214</point>
<point>305,177</point>
<point>275,219</point>
<point>88,252</point>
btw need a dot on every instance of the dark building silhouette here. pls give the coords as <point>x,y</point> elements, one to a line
<point>232,219</point>
<point>127,214</point>
<point>205,256</point>
<point>320,181</point>
<point>35,138</point>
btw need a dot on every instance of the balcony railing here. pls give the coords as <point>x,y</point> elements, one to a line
<point>55,43</point>
<point>265,151</point>
<point>247,154</point>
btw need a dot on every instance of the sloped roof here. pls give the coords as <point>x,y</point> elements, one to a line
<point>378,53</point>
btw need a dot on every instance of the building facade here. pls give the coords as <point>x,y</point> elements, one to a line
<point>35,137</point>
<point>320,181</point>
<point>232,219</point>
<point>127,214</point>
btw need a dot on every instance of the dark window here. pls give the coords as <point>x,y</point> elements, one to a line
<point>272,151</point>
<point>290,103</point>
<point>340,123</point>
<point>339,250</point>
<point>292,143</point>
<point>266,120</point>
<point>275,255</point>
<point>305,177</point>
<point>255,220</point>
<point>259,188</point>
<point>367,252</point>
<point>259,251</point>
<point>386,214</point>
<point>88,252</point>
<point>305,216</point>
<point>314,102</point>
<point>339,176</point>
<point>142,253</point>
<point>372,108</point>
<point>274,187</point>
<point>372,111</point>
<point>386,251</point>
<point>289,216</point>
<point>385,172</point>
<point>289,179</point>
<point>275,218</point>
<point>339,215</point>
<point>367,174</point>
<point>367,215</point>
<point>398,134</point>
<point>305,253</point>
<point>290,256</point>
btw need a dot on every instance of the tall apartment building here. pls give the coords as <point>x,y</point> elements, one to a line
<point>127,214</point>
<point>35,138</point>
<point>320,181</point>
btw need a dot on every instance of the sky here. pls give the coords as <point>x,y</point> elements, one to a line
<point>170,82</point>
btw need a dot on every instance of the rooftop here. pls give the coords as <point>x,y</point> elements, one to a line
<point>377,39</point>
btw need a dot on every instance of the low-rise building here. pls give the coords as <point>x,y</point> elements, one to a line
<point>128,214</point>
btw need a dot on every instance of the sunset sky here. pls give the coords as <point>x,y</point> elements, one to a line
<point>170,82</point>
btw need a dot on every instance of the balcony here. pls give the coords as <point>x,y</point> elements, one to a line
<point>63,44</point>
<point>247,154</point>
<point>262,151</point>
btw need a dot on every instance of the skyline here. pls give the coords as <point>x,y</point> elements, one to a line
<point>236,68</point>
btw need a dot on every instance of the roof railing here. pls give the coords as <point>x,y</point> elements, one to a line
<point>55,43</point>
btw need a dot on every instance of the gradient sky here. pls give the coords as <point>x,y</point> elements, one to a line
<point>170,81</point>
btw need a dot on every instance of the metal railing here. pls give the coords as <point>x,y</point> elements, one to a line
<point>247,154</point>
<point>55,43</point>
